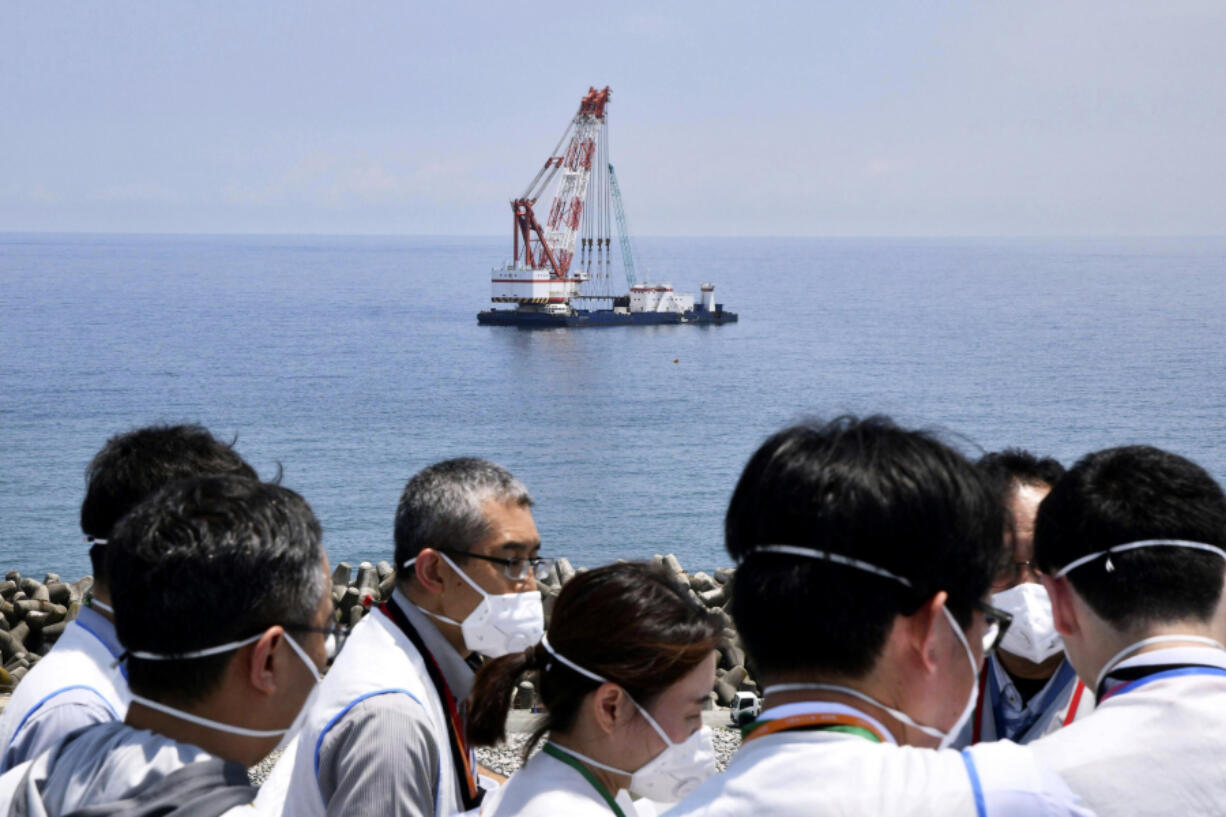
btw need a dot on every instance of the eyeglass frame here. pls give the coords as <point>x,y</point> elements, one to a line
<point>997,616</point>
<point>536,566</point>
<point>339,630</point>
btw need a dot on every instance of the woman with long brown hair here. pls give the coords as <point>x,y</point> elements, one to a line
<point>625,670</point>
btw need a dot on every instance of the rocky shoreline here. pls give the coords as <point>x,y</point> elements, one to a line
<point>34,613</point>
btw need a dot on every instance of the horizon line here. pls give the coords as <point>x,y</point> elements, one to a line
<point>249,234</point>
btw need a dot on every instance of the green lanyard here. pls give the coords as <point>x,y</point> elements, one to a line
<point>558,753</point>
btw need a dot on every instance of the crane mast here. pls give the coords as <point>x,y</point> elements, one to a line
<point>552,245</point>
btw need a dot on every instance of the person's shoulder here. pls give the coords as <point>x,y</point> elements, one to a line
<point>1013,780</point>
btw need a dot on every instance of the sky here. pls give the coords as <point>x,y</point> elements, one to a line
<point>809,119</point>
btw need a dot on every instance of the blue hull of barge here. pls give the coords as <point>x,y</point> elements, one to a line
<point>599,317</point>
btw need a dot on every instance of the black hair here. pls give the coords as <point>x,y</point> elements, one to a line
<point>1002,469</point>
<point>204,562</point>
<point>440,506</point>
<point>1129,494</point>
<point>135,464</point>
<point>632,623</point>
<point>898,499</point>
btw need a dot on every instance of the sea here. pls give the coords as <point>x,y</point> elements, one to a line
<point>342,365</point>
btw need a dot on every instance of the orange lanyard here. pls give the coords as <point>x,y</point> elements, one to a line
<point>819,720</point>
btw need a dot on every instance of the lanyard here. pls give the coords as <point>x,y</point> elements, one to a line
<point>1159,673</point>
<point>470,793</point>
<point>824,721</point>
<point>558,753</point>
<point>1055,687</point>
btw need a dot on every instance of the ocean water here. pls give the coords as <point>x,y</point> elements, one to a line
<point>349,363</point>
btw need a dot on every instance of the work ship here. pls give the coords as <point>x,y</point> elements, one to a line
<point>546,283</point>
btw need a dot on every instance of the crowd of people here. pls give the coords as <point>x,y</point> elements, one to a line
<point>933,636</point>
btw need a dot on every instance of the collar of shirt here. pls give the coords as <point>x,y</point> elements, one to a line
<point>1210,656</point>
<point>458,674</point>
<point>101,628</point>
<point>808,707</point>
<point>1008,705</point>
<point>1011,701</point>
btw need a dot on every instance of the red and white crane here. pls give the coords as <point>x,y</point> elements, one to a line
<point>545,269</point>
<point>555,244</point>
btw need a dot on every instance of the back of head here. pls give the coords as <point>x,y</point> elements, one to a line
<point>1132,494</point>
<point>135,464</point>
<point>897,499</point>
<point>631,623</point>
<point>1014,466</point>
<point>207,561</point>
<point>440,506</point>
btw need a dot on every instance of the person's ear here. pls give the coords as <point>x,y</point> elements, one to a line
<point>1063,606</point>
<point>262,671</point>
<point>428,570</point>
<point>611,706</point>
<point>922,630</point>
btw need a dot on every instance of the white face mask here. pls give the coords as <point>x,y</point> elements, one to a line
<point>1032,635</point>
<point>285,734</point>
<point>946,737</point>
<point>672,774</point>
<point>502,623</point>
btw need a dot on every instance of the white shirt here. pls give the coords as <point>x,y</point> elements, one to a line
<point>820,773</point>
<point>548,787</point>
<point>1063,698</point>
<point>76,684</point>
<point>1154,749</point>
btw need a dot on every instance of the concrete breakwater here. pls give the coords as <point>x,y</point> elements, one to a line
<point>34,613</point>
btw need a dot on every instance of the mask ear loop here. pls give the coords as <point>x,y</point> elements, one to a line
<point>463,576</point>
<point>1144,543</point>
<point>601,679</point>
<point>456,568</point>
<point>220,648</point>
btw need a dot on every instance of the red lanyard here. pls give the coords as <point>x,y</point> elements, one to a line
<point>977,729</point>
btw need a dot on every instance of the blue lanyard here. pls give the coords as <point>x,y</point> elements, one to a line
<point>1058,683</point>
<point>1124,689</point>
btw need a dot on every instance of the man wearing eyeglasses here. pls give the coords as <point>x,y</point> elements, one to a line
<point>79,682</point>
<point>1028,688</point>
<point>387,736</point>
<point>865,552</point>
<point>220,667</point>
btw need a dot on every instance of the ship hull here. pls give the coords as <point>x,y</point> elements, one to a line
<point>599,317</point>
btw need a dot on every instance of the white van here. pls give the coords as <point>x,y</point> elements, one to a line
<point>745,708</point>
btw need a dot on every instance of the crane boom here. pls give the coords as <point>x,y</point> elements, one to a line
<point>555,240</point>
<point>622,230</point>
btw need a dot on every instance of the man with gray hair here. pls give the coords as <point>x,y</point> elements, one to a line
<point>223,608</point>
<point>387,735</point>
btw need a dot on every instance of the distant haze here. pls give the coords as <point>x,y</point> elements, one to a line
<point>807,118</point>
